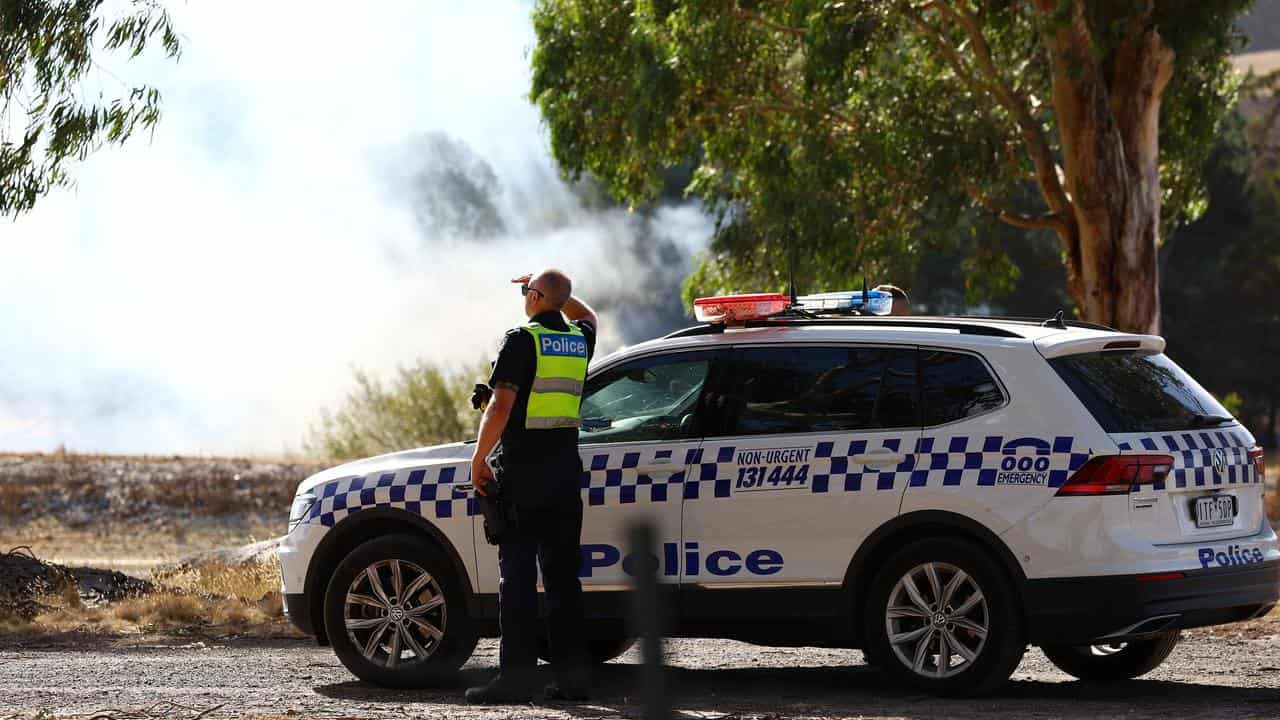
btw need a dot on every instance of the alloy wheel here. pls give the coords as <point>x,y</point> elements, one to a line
<point>395,613</point>
<point>937,620</point>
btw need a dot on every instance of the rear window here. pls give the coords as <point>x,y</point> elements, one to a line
<point>1138,392</point>
<point>956,386</point>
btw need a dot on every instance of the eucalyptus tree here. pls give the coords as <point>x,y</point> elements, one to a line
<point>854,136</point>
<point>58,100</point>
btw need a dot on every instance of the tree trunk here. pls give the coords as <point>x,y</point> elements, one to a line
<point>1109,119</point>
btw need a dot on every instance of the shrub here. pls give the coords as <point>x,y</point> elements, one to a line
<point>423,404</point>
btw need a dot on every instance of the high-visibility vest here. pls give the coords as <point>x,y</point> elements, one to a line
<point>556,394</point>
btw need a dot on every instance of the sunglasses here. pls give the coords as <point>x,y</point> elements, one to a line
<point>525,290</point>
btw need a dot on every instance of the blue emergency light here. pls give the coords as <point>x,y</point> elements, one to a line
<point>878,302</point>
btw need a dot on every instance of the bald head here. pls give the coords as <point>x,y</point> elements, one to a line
<point>901,303</point>
<point>554,286</point>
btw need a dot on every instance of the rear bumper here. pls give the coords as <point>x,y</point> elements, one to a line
<point>1079,611</point>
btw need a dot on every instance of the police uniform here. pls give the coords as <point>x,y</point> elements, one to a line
<point>546,362</point>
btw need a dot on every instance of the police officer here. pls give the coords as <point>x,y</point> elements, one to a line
<point>901,303</point>
<point>537,388</point>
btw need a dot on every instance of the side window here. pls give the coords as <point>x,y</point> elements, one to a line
<point>956,386</point>
<point>652,398</point>
<point>817,389</point>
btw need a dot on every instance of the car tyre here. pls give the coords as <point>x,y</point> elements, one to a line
<point>944,594</point>
<point>398,596</point>
<point>1113,663</point>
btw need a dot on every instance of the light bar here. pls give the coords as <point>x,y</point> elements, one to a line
<point>739,308</point>
<point>878,302</point>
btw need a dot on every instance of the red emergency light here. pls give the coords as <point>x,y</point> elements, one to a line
<point>739,308</point>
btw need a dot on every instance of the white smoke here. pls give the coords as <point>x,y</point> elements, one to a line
<point>209,290</point>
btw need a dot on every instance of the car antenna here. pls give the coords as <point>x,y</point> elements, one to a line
<point>866,296</point>
<point>1057,321</point>
<point>795,296</point>
<point>794,308</point>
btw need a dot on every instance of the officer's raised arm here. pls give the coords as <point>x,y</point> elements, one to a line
<point>575,308</point>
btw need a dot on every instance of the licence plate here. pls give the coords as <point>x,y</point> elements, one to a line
<point>1215,511</point>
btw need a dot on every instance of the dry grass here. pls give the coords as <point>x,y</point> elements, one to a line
<point>165,612</point>
<point>247,581</point>
<point>11,495</point>
<point>213,599</point>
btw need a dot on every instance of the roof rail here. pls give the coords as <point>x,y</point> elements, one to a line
<point>959,325</point>
<point>1040,321</point>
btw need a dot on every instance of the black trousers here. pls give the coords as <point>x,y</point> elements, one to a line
<point>550,538</point>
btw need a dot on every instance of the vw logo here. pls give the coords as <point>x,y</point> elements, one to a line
<point>396,614</point>
<point>1219,461</point>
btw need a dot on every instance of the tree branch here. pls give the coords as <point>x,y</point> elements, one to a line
<point>1048,221</point>
<point>1018,108</point>
<point>782,90</point>
<point>758,19</point>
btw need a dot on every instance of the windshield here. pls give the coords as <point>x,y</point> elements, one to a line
<point>1139,392</point>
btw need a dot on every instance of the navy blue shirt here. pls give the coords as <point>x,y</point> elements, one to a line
<point>540,468</point>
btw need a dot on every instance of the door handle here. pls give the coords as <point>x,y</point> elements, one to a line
<point>658,469</point>
<point>877,458</point>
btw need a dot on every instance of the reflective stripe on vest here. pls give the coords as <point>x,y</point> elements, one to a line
<point>556,394</point>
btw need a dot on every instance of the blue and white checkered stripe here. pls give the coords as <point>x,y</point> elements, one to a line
<point>622,484</point>
<point>1193,456</point>
<point>429,492</point>
<point>970,461</point>
<point>933,462</point>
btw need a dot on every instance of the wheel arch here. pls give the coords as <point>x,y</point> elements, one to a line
<point>904,529</point>
<point>361,527</point>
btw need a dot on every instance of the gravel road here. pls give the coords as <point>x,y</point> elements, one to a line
<point>1229,676</point>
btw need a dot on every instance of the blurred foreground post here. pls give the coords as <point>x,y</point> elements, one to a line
<point>648,620</point>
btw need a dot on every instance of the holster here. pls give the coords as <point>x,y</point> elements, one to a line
<point>499,516</point>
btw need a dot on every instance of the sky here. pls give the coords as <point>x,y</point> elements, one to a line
<point>325,190</point>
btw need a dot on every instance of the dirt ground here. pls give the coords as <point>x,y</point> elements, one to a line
<point>1226,674</point>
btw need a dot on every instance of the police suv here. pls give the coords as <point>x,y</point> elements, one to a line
<point>939,492</point>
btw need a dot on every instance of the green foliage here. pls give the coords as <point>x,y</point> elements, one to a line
<point>1232,402</point>
<point>49,51</point>
<point>422,405</point>
<point>841,135</point>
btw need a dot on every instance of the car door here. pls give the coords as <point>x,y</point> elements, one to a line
<point>814,453</point>
<point>639,431</point>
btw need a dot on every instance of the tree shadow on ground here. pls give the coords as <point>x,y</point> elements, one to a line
<point>855,690</point>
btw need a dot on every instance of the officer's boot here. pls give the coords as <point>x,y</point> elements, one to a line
<point>503,690</point>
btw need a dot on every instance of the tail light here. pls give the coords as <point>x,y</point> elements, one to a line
<point>1258,457</point>
<point>1117,474</point>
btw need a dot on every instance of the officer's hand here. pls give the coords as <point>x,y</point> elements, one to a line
<point>523,279</point>
<point>481,475</point>
<point>481,395</point>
